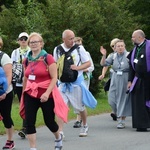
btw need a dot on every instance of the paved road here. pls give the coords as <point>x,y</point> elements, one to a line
<point>103,135</point>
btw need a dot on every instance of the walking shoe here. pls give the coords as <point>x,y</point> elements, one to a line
<point>22,133</point>
<point>62,134</point>
<point>83,131</point>
<point>113,116</point>
<point>121,125</point>
<point>142,129</point>
<point>58,143</point>
<point>77,124</point>
<point>9,145</point>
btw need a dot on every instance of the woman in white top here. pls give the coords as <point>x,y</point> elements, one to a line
<point>6,99</point>
<point>17,57</point>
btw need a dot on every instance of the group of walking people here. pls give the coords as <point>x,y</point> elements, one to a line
<point>40,88</point>
<point>128,93</point>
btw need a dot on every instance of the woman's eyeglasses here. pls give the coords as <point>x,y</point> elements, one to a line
<point>23,38</point>
<point>34,42</point>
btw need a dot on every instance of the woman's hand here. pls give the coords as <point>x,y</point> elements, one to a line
<point>103,51</point>
<point>2,97</point>
<point>44,97</point>
<point>101,77</point>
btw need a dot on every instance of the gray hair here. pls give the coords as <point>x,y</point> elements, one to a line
<point>65,33</point>
<point>140,33</point>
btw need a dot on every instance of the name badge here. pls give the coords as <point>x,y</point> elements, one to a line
<point>135,61</point>
<point>31,77</point>
<point>122,63</point>
<point>119,73</point>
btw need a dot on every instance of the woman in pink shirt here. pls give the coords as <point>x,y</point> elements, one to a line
<point>39,87</point>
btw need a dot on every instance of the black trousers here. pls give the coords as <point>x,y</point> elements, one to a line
<point>5,110</point>
<point>31,107</point>
<point>18,91</point>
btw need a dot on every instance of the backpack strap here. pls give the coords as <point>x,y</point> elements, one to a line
<point>1,55</point>
<point>26,62</point>
<point>79,55</point>
<point>73,48</point>
<point>17,55</point>
<point>61,51</point>
<point>44,60</point>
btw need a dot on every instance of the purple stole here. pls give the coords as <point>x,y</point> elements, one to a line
<point>147,56</point>
<point>147,63</point>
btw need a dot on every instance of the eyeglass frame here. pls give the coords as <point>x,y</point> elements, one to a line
<point>34,42</point>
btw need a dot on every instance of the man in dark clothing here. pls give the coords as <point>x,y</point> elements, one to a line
<point>139,81</point>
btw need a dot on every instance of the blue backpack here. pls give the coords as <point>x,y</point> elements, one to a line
<point>3,79</point>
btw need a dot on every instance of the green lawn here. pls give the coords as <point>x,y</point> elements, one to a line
<point>102,107</point>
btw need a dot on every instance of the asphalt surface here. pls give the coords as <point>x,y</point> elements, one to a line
<point>102,135</point>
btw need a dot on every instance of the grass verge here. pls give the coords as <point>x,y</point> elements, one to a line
<point>102,107</point>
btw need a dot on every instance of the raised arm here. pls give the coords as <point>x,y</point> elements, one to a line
<point>103,52</point>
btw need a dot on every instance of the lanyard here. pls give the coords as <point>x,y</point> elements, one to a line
<point>138,50</point>
<point>32,66</point>
<point>119,60</point>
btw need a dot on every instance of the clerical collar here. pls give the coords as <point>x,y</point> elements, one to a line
<point>141,43</point>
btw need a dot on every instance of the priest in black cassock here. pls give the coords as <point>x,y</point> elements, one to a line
<point>139,81</point>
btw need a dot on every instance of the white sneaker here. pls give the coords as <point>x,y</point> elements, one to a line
<point>62,133</point>
<point>83,131</point>
<point>58,143</point>
<point>121,124</point>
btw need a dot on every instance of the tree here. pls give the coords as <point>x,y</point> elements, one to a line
<point>21,18</point>
<point>96,21</point>
<point>141,11</point>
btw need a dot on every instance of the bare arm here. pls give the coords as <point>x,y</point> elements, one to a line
<point>103,52</point>
<point>24,83</point>
<point>81,67</point>
<point>53,73</point>
<point>104,70</point>
<point>8,71</point>
<point>91,68</point>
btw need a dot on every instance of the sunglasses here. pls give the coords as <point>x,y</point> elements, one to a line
<point>23,38</point>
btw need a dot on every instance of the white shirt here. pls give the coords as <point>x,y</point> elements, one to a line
<point>80,57</point>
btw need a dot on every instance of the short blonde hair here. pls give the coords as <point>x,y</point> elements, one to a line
<point>113,42</point>
<point>1,42</point>
<point>78,40</point>
<point>120,41</point>
<point>38,35</point>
